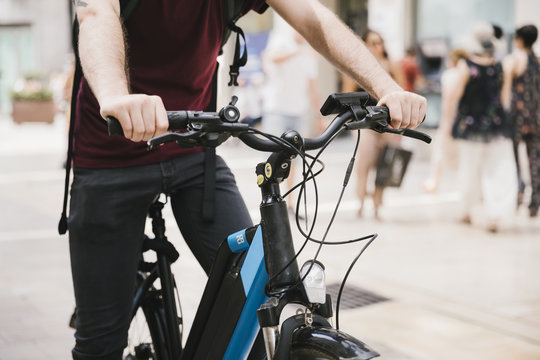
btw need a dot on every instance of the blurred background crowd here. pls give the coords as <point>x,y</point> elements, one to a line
<point>473,59</point>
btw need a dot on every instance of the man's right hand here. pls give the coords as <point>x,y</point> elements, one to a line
<point>142,116</point>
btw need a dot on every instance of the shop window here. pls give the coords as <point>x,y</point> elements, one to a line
<point>16,58</point>
<point>355,14</point>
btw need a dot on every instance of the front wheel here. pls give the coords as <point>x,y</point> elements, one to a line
<point>309,353</point>
<point>147,330</point>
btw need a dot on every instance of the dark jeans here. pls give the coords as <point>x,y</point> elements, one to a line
<point>106,229</point>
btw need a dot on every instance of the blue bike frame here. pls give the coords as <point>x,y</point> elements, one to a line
<point>254,279</point>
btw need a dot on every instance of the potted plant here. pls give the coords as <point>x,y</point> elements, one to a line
<point>32,101</point>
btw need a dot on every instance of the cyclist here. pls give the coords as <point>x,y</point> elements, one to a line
<point>172,47</point>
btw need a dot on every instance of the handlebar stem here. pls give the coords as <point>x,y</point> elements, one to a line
<point>277,239</point>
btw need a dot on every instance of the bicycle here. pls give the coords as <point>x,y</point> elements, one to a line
<point>256,273</point>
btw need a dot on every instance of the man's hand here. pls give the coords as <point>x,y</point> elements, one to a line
<point>142,116</point>
<point>407,110</point>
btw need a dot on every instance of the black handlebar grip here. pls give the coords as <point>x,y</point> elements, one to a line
<point>177,120</point>
<point>114,126</point>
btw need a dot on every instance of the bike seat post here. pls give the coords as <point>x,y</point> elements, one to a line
<point>158,223</point>
<point>167,280</point>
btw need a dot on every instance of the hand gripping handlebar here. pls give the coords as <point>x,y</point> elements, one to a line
<point>212,128</point>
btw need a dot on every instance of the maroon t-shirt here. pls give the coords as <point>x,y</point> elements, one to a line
<point>172,51</point>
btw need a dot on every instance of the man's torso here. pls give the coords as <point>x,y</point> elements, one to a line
<point>172,51</point>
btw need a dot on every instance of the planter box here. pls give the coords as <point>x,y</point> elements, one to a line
<point>33,111</point>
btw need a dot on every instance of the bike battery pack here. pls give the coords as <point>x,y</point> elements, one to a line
<point>226,325</point>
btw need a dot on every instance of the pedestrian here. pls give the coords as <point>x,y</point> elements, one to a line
<point>444,150</point>
<point>292,96</point>
<point>164,57</point>
<point>371,143</point>
<point>414,79</point>
<point>521,96</point>
<point>483,132</point>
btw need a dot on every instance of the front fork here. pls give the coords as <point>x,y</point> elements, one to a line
<point>271,338</point>
<point>269,319</point>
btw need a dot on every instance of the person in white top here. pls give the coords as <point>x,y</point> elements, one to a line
<point>444,151</point>
<point>291,90</point>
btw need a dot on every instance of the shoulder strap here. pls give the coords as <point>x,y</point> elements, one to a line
<point>62,225</point>
<point>233,11</point>
<point>128,8</point>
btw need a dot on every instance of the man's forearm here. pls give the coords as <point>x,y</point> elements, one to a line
<point>102,48</point>
<point>330,37</point>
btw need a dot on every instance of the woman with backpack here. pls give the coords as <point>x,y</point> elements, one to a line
<point>483,132</point>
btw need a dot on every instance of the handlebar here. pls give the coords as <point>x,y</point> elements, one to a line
<point>213,128</point>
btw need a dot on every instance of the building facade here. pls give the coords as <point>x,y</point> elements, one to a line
<point>35,34</point>
<point>34,38</point>
<point>435,26</point>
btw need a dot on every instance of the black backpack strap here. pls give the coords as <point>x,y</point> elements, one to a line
<point>240,55</point>
<point>233,12</point>
<point>77,76</point>
<point>128,8</point>
<point>62,225</point>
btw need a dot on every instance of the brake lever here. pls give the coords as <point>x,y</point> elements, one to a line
<point>380,125</point>
<point>410,133</point>
<point>379,115</point>
<point>219,127</point>
<point>198,131</point>
<point>173,136</point>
